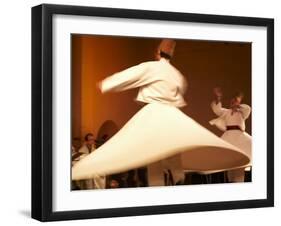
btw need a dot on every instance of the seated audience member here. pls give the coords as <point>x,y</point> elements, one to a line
<point>83,151</point>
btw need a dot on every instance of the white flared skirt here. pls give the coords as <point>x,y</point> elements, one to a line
<point>240,139</point>
<point>157,132</point>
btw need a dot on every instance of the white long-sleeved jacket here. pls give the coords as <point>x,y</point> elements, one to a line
<point>158,81</point>
<point>227,118</point>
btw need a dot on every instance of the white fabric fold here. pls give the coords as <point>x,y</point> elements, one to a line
<point>156,132</point>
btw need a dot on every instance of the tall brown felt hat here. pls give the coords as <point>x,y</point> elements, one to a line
<point>167,46</point>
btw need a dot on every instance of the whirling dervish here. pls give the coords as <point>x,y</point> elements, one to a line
<point>159,130</point>
<point>232,122</point>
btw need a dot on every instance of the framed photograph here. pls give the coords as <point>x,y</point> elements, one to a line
<point>146,112</point>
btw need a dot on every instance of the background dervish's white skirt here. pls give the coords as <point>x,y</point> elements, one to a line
<point>241,140</point>
<point>156,132</point>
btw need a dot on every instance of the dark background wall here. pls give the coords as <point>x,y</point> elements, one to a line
<point>205,64</point>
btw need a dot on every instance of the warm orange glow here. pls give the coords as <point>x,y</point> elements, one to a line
<point>205,64</point>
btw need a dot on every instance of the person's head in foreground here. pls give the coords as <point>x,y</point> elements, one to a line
<point>166,49</point>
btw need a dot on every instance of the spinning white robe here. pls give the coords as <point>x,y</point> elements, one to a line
<point>239,138</point>
<point>159,130</point>
<point>99,182</point>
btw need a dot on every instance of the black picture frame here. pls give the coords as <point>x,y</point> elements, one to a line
<point>42,107</point>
